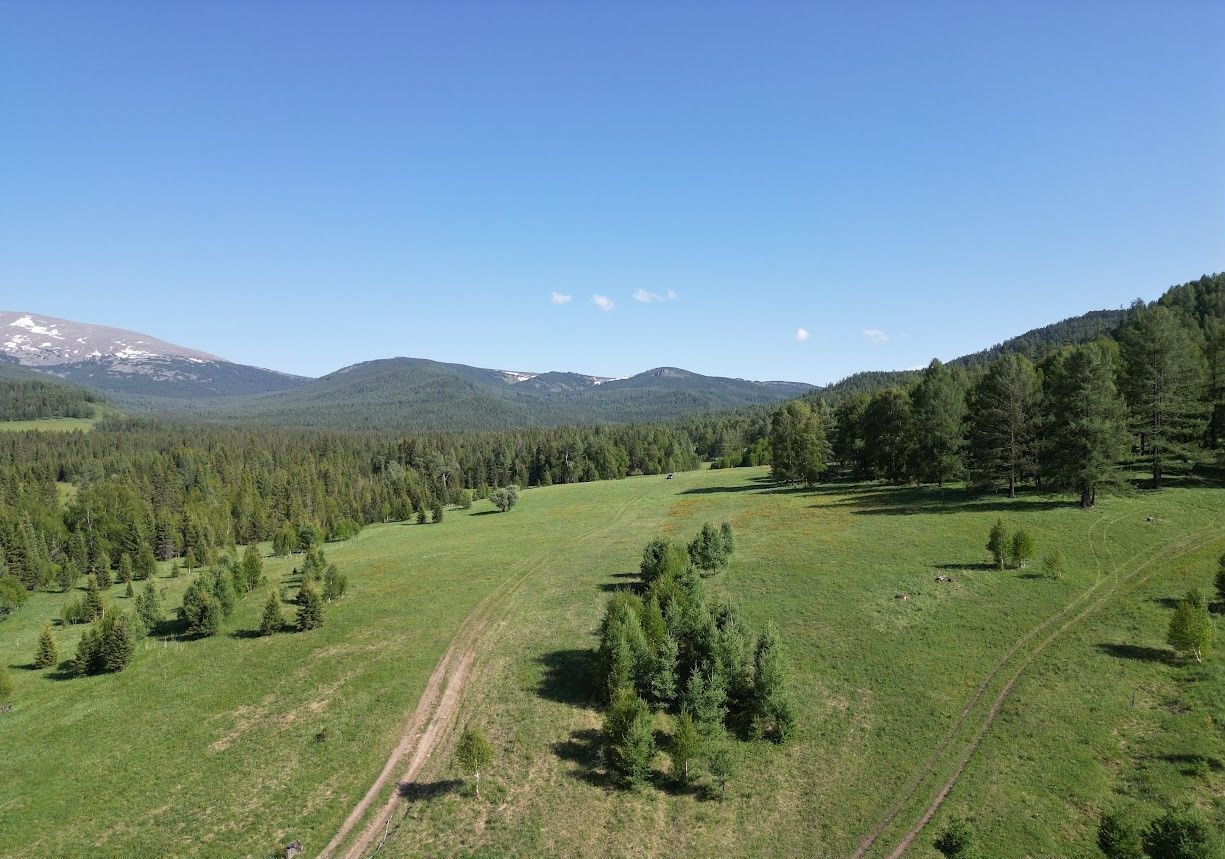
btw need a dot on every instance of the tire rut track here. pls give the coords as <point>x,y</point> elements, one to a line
<point>439,703</point>
<point>1188,545</point>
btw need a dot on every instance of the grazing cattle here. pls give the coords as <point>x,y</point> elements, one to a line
<point>293,850</point>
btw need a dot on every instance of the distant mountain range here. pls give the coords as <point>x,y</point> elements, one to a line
<point>125,364</point>
<point>405,394</point>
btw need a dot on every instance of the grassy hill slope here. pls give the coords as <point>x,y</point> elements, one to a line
<point>242,743</point>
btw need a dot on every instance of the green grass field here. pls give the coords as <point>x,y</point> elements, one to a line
<point>49,425</point>
<point>231,745</point>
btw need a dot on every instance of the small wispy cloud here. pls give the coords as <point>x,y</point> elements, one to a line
<point>603,302</point>
<point>875,335</point>
<point>646,297</point>
<point>801,334</point>
<point>560,298</point>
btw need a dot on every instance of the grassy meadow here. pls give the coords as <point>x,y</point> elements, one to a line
<point>230,745</point>
<point>49,425</point>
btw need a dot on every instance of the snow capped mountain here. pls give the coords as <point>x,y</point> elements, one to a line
<point>44,341</point>
<point>125,362</point>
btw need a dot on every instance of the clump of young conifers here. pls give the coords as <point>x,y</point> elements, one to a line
<point>109,642</point>
<point>670,646</point>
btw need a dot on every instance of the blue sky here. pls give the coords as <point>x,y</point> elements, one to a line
<point>304,186</point>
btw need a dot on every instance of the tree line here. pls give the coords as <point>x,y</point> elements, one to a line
<point>146,490</point>
<point>26,400</point>
<point>1151,394</point>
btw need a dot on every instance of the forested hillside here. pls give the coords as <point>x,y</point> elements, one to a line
<point>24,400</point>
<point>417,395</point>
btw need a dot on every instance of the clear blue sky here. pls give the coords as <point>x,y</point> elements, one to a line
<point>304,186</point>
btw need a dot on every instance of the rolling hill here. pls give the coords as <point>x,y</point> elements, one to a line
<point>414,394</point>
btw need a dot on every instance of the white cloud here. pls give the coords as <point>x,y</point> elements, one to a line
<point>646,297</point>
<point>875,335</point>
<point>603,302</point>
<point>801,334</point>
<point>560,298</point>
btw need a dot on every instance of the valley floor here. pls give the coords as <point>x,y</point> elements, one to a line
<point>1058,698</point>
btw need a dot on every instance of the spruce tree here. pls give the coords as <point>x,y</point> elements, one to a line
<point>773,714</point>
<point>1004,423</point>
<point>272,620</point>
<point>721,763</point>
<point>1085,433</point>
<point>708,551</point>
<point>686,748</point>
<point>1165,383</point>
<point>92,604</point>
<point>629,733</point>
<point>200,609</point>
<point>310,608</point>
<point>48,652</point>
<point>149,605</point>
<point>334,583</point>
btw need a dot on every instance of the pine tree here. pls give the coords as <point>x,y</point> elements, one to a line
<point>686,748</point>
<point>629,733</point>
<point>663,675</point>
<point>48,652</point>
<point>938,407</point>
<point>708,551</point>
<point>68,574</point>
<point>1085,433</point>
<point>272,620</point>
<point>126,572</point>
<point>721,763</point>
<point>997,540</point>
<point>334,583</point>
<point>149,606</point>
<point>1004,422</point>
<point>146,563</point>
<point>200,610</point>
<point>773,715</point>
<point>473,754</point>
<point>93,601</point>
<point>310,608</point>
<point>1164,381</point>
<point>437,512</point>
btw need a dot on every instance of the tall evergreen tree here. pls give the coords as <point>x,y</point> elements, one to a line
<point>272,619</point>
<point>1004,422</point>
<point>938,408</point>
<point>310,608</point>
<point>1085,432</point>
<point>48,652</point>
<point>1165,384</point>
